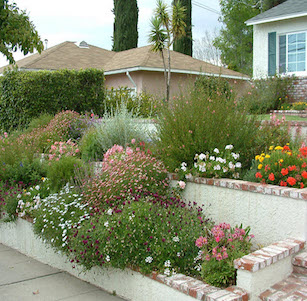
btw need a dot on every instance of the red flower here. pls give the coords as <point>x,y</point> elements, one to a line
<point>267,167</point>
<point>302,185</point>
<point>284,171</point>
<point>282,183</point>
<point>271,177</point>
<point>304,165</point>
<point>286,148</point>
<point>304,174</point>
<point>291,168</point>
<point>303,151</point>
<point>258,175</point>
<point>291,181</point>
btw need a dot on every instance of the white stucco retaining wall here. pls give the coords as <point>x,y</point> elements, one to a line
<point>271,217</point>
<point>127,284</point>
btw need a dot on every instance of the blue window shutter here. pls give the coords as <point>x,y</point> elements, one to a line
<point>272,53</point>
<point>282,54</point>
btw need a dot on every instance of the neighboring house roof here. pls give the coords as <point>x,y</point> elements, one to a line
<point>286,10</point>
<point>69,55</point>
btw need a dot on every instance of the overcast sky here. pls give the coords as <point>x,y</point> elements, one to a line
<point>92,21</point>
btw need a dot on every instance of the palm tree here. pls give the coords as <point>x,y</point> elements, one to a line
<point>166,26</point>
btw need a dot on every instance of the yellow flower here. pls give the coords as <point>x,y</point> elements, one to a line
<point>261,159</point>
<point>257,157</point>
<point>289,153</point>
<point>263,154</point>
<point>267,156</point>
<point>259,166</point>
<point>280,161</point>
<point>271,147</point>
<point>279,148</point>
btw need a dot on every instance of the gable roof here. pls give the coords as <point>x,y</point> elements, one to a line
<point>286,10</point>
<point>68,55</point>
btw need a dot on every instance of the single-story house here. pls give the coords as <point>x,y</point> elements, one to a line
<point>280,43</point>
<point>139,69</point>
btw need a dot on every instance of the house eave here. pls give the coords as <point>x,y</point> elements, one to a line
<point>274,19</point>
<point>181,71</point>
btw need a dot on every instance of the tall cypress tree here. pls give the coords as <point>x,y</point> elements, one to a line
<point>125,33</point>
<point>184,44</point>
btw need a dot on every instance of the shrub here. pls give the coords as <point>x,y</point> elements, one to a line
<point>148,233</point>
<point>219,247</point>
<point>63,171</point>
<point>58,215</point>
<point>63,149</point>
<point>301,105</point>
<point>125,172</point>
<point>219,164</point>
<point>268,94</point>
<point>119,127</point>
<point>201,123</point>
<point>144,104</point>
<point>90,146</point>
<point>282,166</point>
<point>26,95</point>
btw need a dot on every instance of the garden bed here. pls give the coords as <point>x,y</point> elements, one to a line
<point>272,212</point>
<point>127,283</point>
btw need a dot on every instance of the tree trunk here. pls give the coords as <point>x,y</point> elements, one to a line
<point>165,74</point>
<point>168,75</point>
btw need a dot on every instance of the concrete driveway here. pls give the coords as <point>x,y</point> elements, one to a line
<point>25,279</point>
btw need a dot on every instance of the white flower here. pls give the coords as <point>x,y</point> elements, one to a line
<point>108,258</point>
<point>178,254</point>
<point>238,165</point>
<point>216,151</point>
<point>110,211</point>
<point>149,259</point>
<point>217,167</point>
<point>18,196</point>
<point>167,263</point>
<point>212,158</point>
<point>221,160</point>
<point>167,272</point>
<point>176,239</point>
<point>195,165</point>
<point>202,168</point>
<point>225,169</point>
<point>202,156</point>
<point>231,165</point>
<point>106,224</point>
<point>37,187</point>
<point>229,146</point>
<point>235,156</point>
<point>184,166</point>
<point>188,176</point>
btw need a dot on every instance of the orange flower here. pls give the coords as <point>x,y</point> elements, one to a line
<point>284,171</point>
<point>291,168</point>
<point>286,148</point>
<point>291,181</point>
<point>271,177</point>
<point>302,185</point>
<point>304,174</point>
<point>258,175</point>
<point>303,151</point>
<point>304,165</point>
<point>282,183</point>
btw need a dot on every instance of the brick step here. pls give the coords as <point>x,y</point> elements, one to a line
<point>299,263</point>
<point>292,288</point>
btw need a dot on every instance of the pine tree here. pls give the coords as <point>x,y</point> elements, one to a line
<point>125,33</point>
<point>185,43</point>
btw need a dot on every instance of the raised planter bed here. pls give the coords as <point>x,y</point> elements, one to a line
<point>299,113</point>
<point>273,212</point>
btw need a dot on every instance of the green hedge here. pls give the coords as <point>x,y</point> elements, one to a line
<point>27,94</point>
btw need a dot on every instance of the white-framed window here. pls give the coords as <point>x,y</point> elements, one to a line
<point>292,52</point>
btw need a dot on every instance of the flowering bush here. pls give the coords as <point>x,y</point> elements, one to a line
<point>58,215</point>
<point>59,149</point>
<point>125,171</point>
<point>219,247</point>
<point>148,233</point>
<point>282,166</point>
<point>218,164</point>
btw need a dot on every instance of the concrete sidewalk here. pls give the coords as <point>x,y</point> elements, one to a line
<point>25,279</point>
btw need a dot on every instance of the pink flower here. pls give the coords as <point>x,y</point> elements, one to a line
<point>181,184</point>
<point>219,257</point>
<point>132,141</point>
<point>207,257</point>
<point>217,239</point>
<point>199,242</point>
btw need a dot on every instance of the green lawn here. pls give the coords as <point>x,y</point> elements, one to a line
<point>288,117</point>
